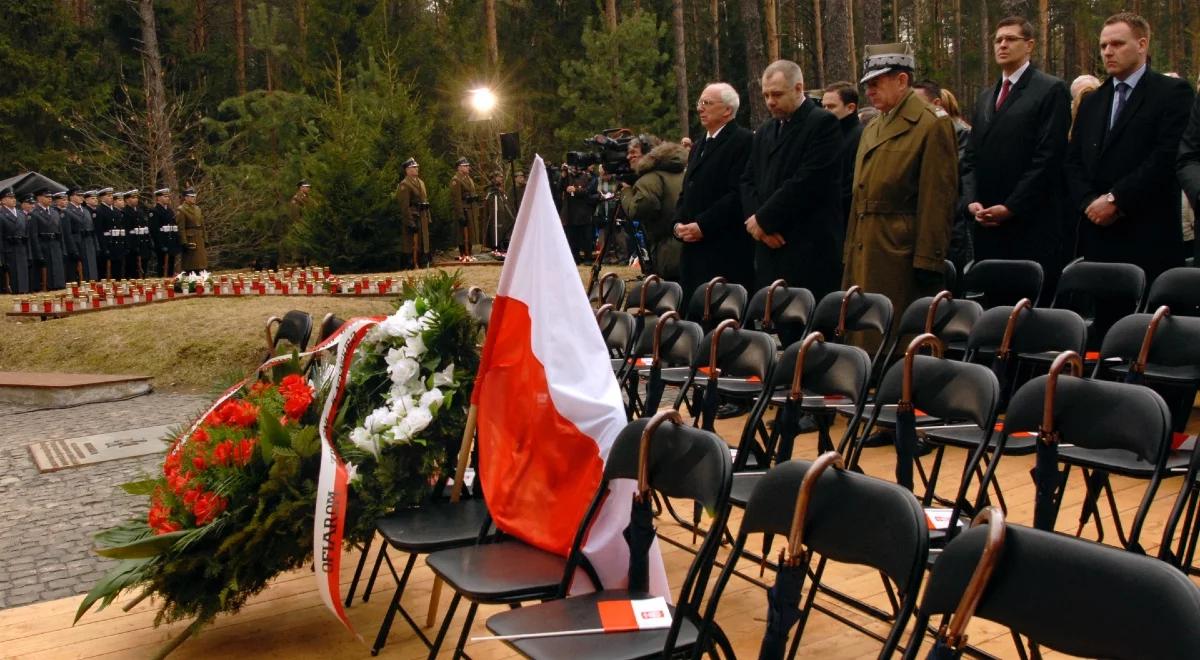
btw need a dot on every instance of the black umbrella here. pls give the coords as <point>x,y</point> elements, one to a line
<point>711,397</point>
<point>639,535</point>
<point>654,382</point>
<point>1002,363</point>
<point>783,598</point>
<point>1046,475</point>
<point>787,422</point>
<point>952,637</point>
<point>906,418</point>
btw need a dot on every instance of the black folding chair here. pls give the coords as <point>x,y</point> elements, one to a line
<point>610,292</point>
<point>995,282</point>
<point>1101,427</point>
<point>840,516</point>
<point>653,295</point>
<point>854,310</point>
<point>675,461</point>
<point>1177,288</point>
<point>617,329</point>
<point>329,325</point>
<point>1101,293</point>
<point>1069,595</point>
<point>662,356</point>
<point>716,301</point>
<point>294,328</point>
<point>1181,551</point>
<point>780,310</point>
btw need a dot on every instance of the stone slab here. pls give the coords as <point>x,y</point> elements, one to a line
<point>55,455</point>
<point>58,390</point>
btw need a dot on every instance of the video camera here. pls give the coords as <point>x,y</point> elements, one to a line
<point>609,147</point>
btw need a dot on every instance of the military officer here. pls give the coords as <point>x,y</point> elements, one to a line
<point>110,223</point>
<point>14,244</point>
<point>192,235</point>
<point>71,235</point>
<point>465,203</point>
<point>48,252</point>
<point>165,232</point>
<point>80,207</point>
<point>414,208</point>
<point>141,241</point>
<point>905,185</point>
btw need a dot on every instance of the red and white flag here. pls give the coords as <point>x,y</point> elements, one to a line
<point>549,407</point>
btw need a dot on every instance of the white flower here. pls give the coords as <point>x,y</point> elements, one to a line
<point>401,369</point>
<point>407,311</point>
<point>418,418</point>
<point>444,377</point>
<point>414,346</point>
<point>364,441</point>
<point>431,399</point>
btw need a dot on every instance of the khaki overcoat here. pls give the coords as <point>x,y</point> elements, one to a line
<point>411,194</point>
<point>192,236</point>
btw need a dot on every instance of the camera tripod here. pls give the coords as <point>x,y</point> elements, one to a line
<point>608,233</point>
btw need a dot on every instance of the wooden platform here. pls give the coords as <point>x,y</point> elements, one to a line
<point>288,621</point>
<point>54,389</point>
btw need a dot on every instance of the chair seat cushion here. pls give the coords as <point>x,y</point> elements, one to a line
<point>969,437</point>
<point>499,572</point>
<point>1179,375</point>
<point>1120,461</point>
<point>435,526</point>
<point>887,416</point>
<point>743,485</point>
<point>672,375</point>
<point>580,612</point>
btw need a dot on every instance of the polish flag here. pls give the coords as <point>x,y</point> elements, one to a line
<point>549,407</point>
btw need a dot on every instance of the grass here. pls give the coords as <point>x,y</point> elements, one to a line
<point>187,345</point>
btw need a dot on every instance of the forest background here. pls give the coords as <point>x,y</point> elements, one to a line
<point>241,99</point>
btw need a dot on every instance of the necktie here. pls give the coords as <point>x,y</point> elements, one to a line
<point>1004,89</point>
<point>778,128</point>
<point>1122,93</point>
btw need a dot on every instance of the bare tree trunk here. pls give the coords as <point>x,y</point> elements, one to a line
<point>896,20</point>
<point>1044,32</point>
<point>819,43</point>
<point>1015,8</point>
<point>849,56</point>
<point>162,148</point>
<point>958,54</point>
<point>493,43</point>
<point>714,10</point>
<point>872,23</point>
<point>755,59</point>
<point>985,43</point>
<point>1176,19</point>
<point>200,29</point>
<point>835,31</point>
<point>239,36</point>
<point>681,86</point>
<point>610,14</point>
<point>771,20</point>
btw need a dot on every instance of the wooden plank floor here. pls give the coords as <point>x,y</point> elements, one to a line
<point>287,620</point>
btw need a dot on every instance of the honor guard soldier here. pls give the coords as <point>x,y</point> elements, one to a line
<point>165,231</point>
<point>81,218</point>
<point>48,252</point>
<point>192,235</point>
<point>414,208</point>
<point>499,212</point>
<point>301,201</point>
<point>110,227</point>
<point>14,244</point>
<point>462,196</point>
<point>141,241</point>
<point>71,235</point>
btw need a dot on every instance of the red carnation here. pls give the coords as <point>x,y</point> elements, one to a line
<point>297,395</point>
<point>208,507</point>
<point>178,481</point>
<point>166,527</point>
<point>172,464</point>
<point>259,387</point>
<point>237,413</point>
<point>192,496</point>
<point>224,453</point>
<point>201,435</point>
<point>198,462</point>
<point>245,450</point>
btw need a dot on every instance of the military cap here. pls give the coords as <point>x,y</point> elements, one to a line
<point>162,191</point>
<point>879,59</point>
<point>461,161</point>
<point>90,193</point>
<point>43,192</point>
<point>131,193</point>
<point>304,184</point>
<point>27,199</point>
<point>105,191</point>
<point>62,194</point>
<point>73,191</point>
<point>411,162</point>
<point>7,192</point>
<point>189,192</point>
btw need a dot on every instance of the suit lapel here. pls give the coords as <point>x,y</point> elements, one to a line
<point>792,125</point>
<point>1131,107</point>
<point>899,124</point>
<point>706,149</point>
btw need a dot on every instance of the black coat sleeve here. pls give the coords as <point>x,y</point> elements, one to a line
<point>812,182</point>
<point>1054,120</point>
<point>1079,187</point>
<point>1135,189</point>
<point>1188,163</point>
<point>726,211</point>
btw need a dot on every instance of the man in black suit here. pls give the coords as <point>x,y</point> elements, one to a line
<point>791,189</point>
<point>708,217</point>
<point>1012,165</point>
<point>1189,162</point>
<point>1121,159</point>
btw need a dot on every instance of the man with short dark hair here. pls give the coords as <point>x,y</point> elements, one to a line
<point>1121,158</point>
<point>1012,167</point>
<point>905,187</point>
<point>791,187</point>
<point>841,98</point>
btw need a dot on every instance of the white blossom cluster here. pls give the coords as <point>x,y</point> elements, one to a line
<point>413,400</point>
<point>203,277</point>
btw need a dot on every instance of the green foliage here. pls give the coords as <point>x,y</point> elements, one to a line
<point>620,80</point>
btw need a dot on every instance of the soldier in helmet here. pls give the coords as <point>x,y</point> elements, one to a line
<point>414,209</point>
<point>164,231</point>
<point>15,249</point>
<point>465,203</point>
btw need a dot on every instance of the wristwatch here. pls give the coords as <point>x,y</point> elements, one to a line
<point>1110,198</point>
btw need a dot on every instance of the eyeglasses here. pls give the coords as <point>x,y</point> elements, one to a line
<point>704,103</point>
<point>1010,39</point>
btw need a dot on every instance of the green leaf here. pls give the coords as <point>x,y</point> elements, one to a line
<point>144,487</point>
<point>146,547</point>
<point>124,575</point>
<point>123,534</point>
<point>305,442</point>
<point>271,434</point>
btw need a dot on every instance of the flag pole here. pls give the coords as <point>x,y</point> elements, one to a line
<point>464,459</point>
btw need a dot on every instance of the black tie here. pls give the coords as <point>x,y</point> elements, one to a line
<point>778,128</point>
<point>1122,93</point>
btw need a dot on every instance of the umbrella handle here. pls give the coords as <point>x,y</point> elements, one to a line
<point>933,307</point>
<point>804,496</point>
<point>1046,432</point>
<point>643,477</point>
<point>658,330</point>
<point>1011,326</point>
<point>956,635</point>
<point>474,294</point>
<point>798,373</point>
<point>708,291</point>
<point>602,310</point>
<point>841,325</point>
<point>274,320</point>
<point>607,277</point>
<point>1143,357</point>
<point>650,279</point>
<point>909,354</point>
<point>766,320</point>
<point>716,343</point>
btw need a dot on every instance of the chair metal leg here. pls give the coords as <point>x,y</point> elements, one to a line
<point>441,636</point>
<point>386,627</point>
<point>1093,481</point>
<point>466,631</point>
<point>362,561</point>
<point>375,571</point>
